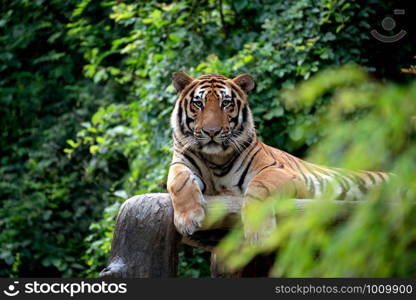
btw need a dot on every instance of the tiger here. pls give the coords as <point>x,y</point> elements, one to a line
<point>216,151</point>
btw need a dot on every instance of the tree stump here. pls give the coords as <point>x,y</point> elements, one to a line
<point>145,242</point>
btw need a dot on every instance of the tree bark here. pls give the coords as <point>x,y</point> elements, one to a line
<point>145,242</point>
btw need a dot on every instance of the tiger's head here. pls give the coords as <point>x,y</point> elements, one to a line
<point>212,114</point>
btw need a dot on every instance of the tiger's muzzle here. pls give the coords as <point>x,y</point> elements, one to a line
<point>212,132</point>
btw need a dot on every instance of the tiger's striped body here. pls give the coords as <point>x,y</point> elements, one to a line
<point>217,152</point>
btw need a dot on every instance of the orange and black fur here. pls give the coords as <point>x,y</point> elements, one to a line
<point>217,152</point>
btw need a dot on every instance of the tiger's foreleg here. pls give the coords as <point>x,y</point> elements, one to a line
<point>188,202</point>
<point>271,182</point>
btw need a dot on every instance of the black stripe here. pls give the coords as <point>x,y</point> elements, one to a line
<point>188,122</point>
<point>180,112</point>
<point>289,157</point>
<point>239,92</point>
<point>189,87</point>
<point>203,81</point>
<point>323,171</point>
<point>245,114</point>
<point>227,167</point>
<point>210,80</point>
<point>188,119</point>
<point>320,180</point>
<point>212,165</point>
<point>192,161</point>
<point>243,176</point>
<point>305,178</point>
<point>175,139</point>
<point>191,95</point>
<point>244,121</point>
<point>252,196</point>
<point>235,119</point>
<point>268,166</point>
<point>182,163</point>
<point>211,86</point>
<point>311,188</point>
<point>179,163</point>
<point>316,175</point>
<point>370,175</point>
<point>361,184</point>
<point>381,176</point>
<point>233,95</point>
<point>243,160</point>
<point>183,185</point>
<point>233,98</point>
<point>344,185</point>
<point>309,185</point>
<point>185,131</point>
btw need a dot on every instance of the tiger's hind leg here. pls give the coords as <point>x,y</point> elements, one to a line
<point>269,182</point>
<point>187,199</point>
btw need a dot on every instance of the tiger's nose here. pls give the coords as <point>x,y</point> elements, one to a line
<point>212,131</point>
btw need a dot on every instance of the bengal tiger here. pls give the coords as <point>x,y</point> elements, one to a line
<point>216,152</point>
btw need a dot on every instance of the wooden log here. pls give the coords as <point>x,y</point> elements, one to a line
<point>145,242</point>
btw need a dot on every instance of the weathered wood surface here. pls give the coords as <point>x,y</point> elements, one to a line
<point>145,242</point>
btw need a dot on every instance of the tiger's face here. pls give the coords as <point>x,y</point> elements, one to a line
<point>211,114</point>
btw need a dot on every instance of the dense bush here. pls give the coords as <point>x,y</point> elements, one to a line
<point>85,101</point>
<point>47,203</point>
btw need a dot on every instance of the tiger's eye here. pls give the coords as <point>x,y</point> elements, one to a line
<point>226,103</point>
<point>197,103</point>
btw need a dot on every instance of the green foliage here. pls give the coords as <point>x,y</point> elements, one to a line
<point>377,238</point>
<point>86,97</point>
<point>193,263</point>
<point>47,201</point>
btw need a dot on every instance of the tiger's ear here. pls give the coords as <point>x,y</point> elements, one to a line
<point>245,82</point>
<point>181,80</point>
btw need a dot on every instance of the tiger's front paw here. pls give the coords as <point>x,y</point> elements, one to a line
<point>190,221</point>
